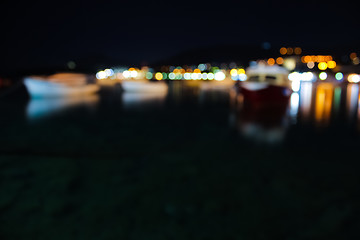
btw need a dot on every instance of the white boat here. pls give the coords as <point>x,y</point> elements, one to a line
<point>61,84</point>
<point>144,86</point>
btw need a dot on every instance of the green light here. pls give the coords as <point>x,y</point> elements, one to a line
<point>148,75</point>
<point>339,76</point>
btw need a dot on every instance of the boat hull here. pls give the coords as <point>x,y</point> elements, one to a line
<point>263,93</point>
<point>40,88</point>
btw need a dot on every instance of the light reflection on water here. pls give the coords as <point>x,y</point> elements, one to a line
<point>39,108</point>
<point>315,104</point>
<point>139,100</point>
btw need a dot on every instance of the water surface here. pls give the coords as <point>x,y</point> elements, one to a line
<point>189,164</point>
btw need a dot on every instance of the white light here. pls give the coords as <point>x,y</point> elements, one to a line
<point>294,76</point>
<point>194,76</point>
<point>322,75</point>
<point>354,78</point>
<point>219,76</point>
<point>307,76</point>
<point>294,104</point>
<point>133,74</point>
<point>295,85</point>
<point>235,78</point>
<point>242,77</point>
<point>210,76</point>
<point>101,75</point>
<point>204,76</point>
<point>187,76</point>
<point>126,74</point>
<point>172,76</point>
<point>109,72</point>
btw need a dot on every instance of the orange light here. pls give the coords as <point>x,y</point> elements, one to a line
<point>290,51</point>
<point>353,55</point>
<point>298,50</point>
<point>307,59</point>
<point>283,50</point>
<point>271,61</point>
<point>331,64</point>
<point>279,60</point>
<point>196,70</point>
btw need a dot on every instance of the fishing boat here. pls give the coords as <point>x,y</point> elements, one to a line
<point>266,84</point>
<point>144,86</point>
<point>60,84</point>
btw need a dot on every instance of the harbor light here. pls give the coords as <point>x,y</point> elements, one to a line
<point>172,76</point>
<point>322,76</point>
<point>322,65</point>
<point>126,74</point>
<point>331,64</point>
<point>101,75</point>
<point>158,76</point>
<point>149,75</point>
<point>210,76</point>
<point>219,76</point>
<point>109,72</point>
<point>242,77</point>
<point>354,78</point>
<point>339,76</point>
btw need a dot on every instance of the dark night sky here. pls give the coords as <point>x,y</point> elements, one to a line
<point>36,33</point>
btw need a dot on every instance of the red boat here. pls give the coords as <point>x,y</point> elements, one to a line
<point>266,84</point>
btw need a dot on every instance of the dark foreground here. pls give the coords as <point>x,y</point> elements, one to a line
<point>176,167</point>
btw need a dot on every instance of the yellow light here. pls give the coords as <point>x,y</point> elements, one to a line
<point>322,65</point>
<point>241,71</point>
<point>158,76</point>
<point>279,60</point>
<point>331,64</point>
<point>131,69</point>
<point>196,70</point>
<point>233,72</point>
<point>271,61</point>
<point>283,50</point>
